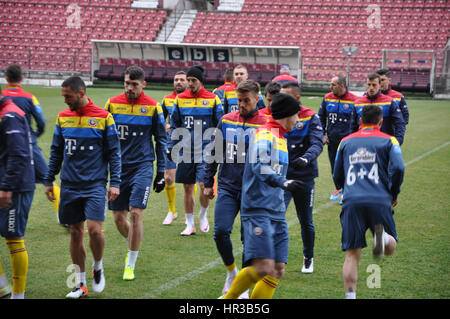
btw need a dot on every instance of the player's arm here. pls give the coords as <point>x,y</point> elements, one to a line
<point>315,136</point>
<point>175,122</point>
<point>159,132</point>
<point>396,168</point>
<point>323,117</point>
<point>56,155</point>
<point>218,111</point>
<point>211,167</point>
<point>17,143</point>
<point>164,108</point>
<point>404,108</point>
<point>38,115</point>
<point>112,149</point>
<point>398,122</point>
<point>354,123</point>
<point>260,105</point>
<point>338,170</point>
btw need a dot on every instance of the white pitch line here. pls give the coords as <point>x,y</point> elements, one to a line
<point>294,221</point>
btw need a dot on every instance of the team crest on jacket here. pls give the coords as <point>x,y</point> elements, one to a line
<point>205,102</point>
<point>143,110</point>
<point>92,122</point>
<point>346,106</point>
<point>299,125</point>
<point>258,231</point>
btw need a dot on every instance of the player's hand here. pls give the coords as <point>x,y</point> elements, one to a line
<point>293,185</point>
<point>394,203</point>
<point>300,162</point>
<point>49,192</point>
<point>113,193</point>
<point>5,199</point>
<point>209,192</point>
<point>159,183</point>
<point>325,140</point>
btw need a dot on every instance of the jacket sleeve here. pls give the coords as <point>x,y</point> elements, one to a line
<point>355,120</point>
<point>159,132</point>
<point>338,170</point>
<point>260,105</point>
<point>17,143</point>
<point>315,136</point>
<point>397,122</point>
<point>396,168</point>
<point>175,122</point>
<point>56,155</point>
<point>323,116</point>
<point>211,168</point>
<point>404,108</point>
<point>218,111</point>
<point>164,108</point>
<point>112,149</point>
<point>38,116</point>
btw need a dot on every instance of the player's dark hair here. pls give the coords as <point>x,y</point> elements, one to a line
<point>135,72</point>
<point>228,75</point>
<point>371,114</point>
<point>272,88</point>
<point>75,83</point>
<point>248,86</point>
<point>373,76</point>
<point>14,73</point>
<point>384,72</point>
<point>294,86</point>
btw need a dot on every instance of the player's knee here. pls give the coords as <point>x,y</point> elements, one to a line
<point>279,271</point>
<point>169,180</point>
<point>120,217</point>
<point>135,215</point>
<point>76,232</point>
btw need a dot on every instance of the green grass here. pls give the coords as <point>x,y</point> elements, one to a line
<point>171,266</point>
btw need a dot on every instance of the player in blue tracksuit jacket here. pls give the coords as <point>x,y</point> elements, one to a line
<point>16,192</point>
<point>234,133</point>
<point>305,144</point>
<point>370,168</point>
<point>266,236</point>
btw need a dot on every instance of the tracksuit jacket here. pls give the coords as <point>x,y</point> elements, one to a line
<point>393,123</point>
<point>236,132</point>
<point>400,100</point>
<point>30,105</point>
<point>265,172</point>
<point>335,113</point>
<point>167,104</point>
<point>228,96</point>
<point>86,141</point>
<point>201,110</point>
<point>136,124</point>
<point>369,162</point>
<point>305,140</point>
<point>16,159</point>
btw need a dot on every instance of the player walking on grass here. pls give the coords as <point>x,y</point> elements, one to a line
<point>16,192</point>
<point>266,236</point>
<point>180,84</point>
<point>139,119</point>
<point>85,145</point>
<point>235,129</point>
<point>369,166</point>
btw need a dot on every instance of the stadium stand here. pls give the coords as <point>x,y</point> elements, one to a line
<point>47,35</point>
<point>44,35</point>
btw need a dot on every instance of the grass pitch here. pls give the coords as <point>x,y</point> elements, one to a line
<point>172,266</point>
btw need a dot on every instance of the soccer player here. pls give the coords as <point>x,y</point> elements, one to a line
<point>180,84</point>
<point>32,108</point>
<point>304,147</point>
<point>370,168</point>
<point>195,110</point>
<point>139,119</point>
<point>266,236</point>
<point>235,129</point>
<point>385,86</point>
<point>335,113</point>
<point>285,75</point>
<point>393,123</point>
<point>270,90</point>
<point>16,192</point>
<point>228,86</point>
<point>85,146</point>
<point>230,103</point>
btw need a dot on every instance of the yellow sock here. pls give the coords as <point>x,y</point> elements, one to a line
<point>57,194</point>
<point>19,262</point>
<point>265,288</point>
<point>171,191</point>
<point>231,267</point>
<point>195,189</point>
<point>245,279</point>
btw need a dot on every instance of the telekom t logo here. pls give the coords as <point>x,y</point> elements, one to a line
<point>123,131</point>
<point>71,145</point>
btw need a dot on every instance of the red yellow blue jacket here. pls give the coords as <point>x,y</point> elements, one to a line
<point>335,113</point>
<point>85,143</point>
<point>369,166</point>
<point>265,172</point>
<point>16,158</point>
<point>284,77</point>
<point>30,105</point>
<point>305,140</point>
<point>194,114</point>
<point>137,123</point>
<point>393,123</point>
<point>400,100</point>
<point>167,104</point>
<point>234,133</point>
<point>228,96</point>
